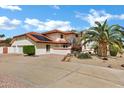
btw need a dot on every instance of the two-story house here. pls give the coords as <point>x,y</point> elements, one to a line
<point>55,41</point>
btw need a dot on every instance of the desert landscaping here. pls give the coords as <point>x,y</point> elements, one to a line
<point>49,71</point>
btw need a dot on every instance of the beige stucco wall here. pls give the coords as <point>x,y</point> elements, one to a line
<point>41,49</point>
<point>43,45</point>
<point>56,36</point>
<point>21,41</point>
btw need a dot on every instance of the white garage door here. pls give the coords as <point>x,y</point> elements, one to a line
<point>20,49</point>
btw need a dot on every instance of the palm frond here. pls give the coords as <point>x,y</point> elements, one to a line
<point>92,32</point>
<point>98,23</point>
<point>104,25</point>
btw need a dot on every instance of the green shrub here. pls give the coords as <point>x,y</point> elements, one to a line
<point>29,50</point>
<point>84,56</point>
<point>113,50</point>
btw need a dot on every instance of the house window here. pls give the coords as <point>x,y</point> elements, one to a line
<point>65,46</point>
<point>61,36</point>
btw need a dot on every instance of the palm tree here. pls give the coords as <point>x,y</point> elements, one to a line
<point>104,36</point>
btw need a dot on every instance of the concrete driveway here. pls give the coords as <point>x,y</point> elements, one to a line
<point>48,71</point>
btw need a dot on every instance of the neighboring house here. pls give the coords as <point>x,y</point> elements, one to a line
<point>55,41</point>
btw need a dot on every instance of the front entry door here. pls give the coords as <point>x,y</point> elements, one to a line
<point>47,48</point>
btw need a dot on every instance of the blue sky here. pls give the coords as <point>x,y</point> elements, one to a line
<point>15,20</point>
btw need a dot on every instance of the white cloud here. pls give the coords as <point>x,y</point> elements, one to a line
<point>38,25</point>
<point>11,7</point>
<point>56,7</point>
<point>100,16</point>
<point>8,24</point>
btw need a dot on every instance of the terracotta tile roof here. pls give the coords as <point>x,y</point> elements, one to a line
<point>30,35</point>
<point>58,31</point>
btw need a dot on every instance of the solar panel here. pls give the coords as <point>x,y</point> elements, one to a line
<point>40,37</point>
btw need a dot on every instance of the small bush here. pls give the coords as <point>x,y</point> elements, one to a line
<point>84,56</point>
<point>113,50</point>
<point>29,50</point>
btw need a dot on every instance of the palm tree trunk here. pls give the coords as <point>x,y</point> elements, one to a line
<point>104,47</point>
<point>100,49</point>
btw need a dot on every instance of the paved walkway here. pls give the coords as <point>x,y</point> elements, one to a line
<point>48,71</point>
